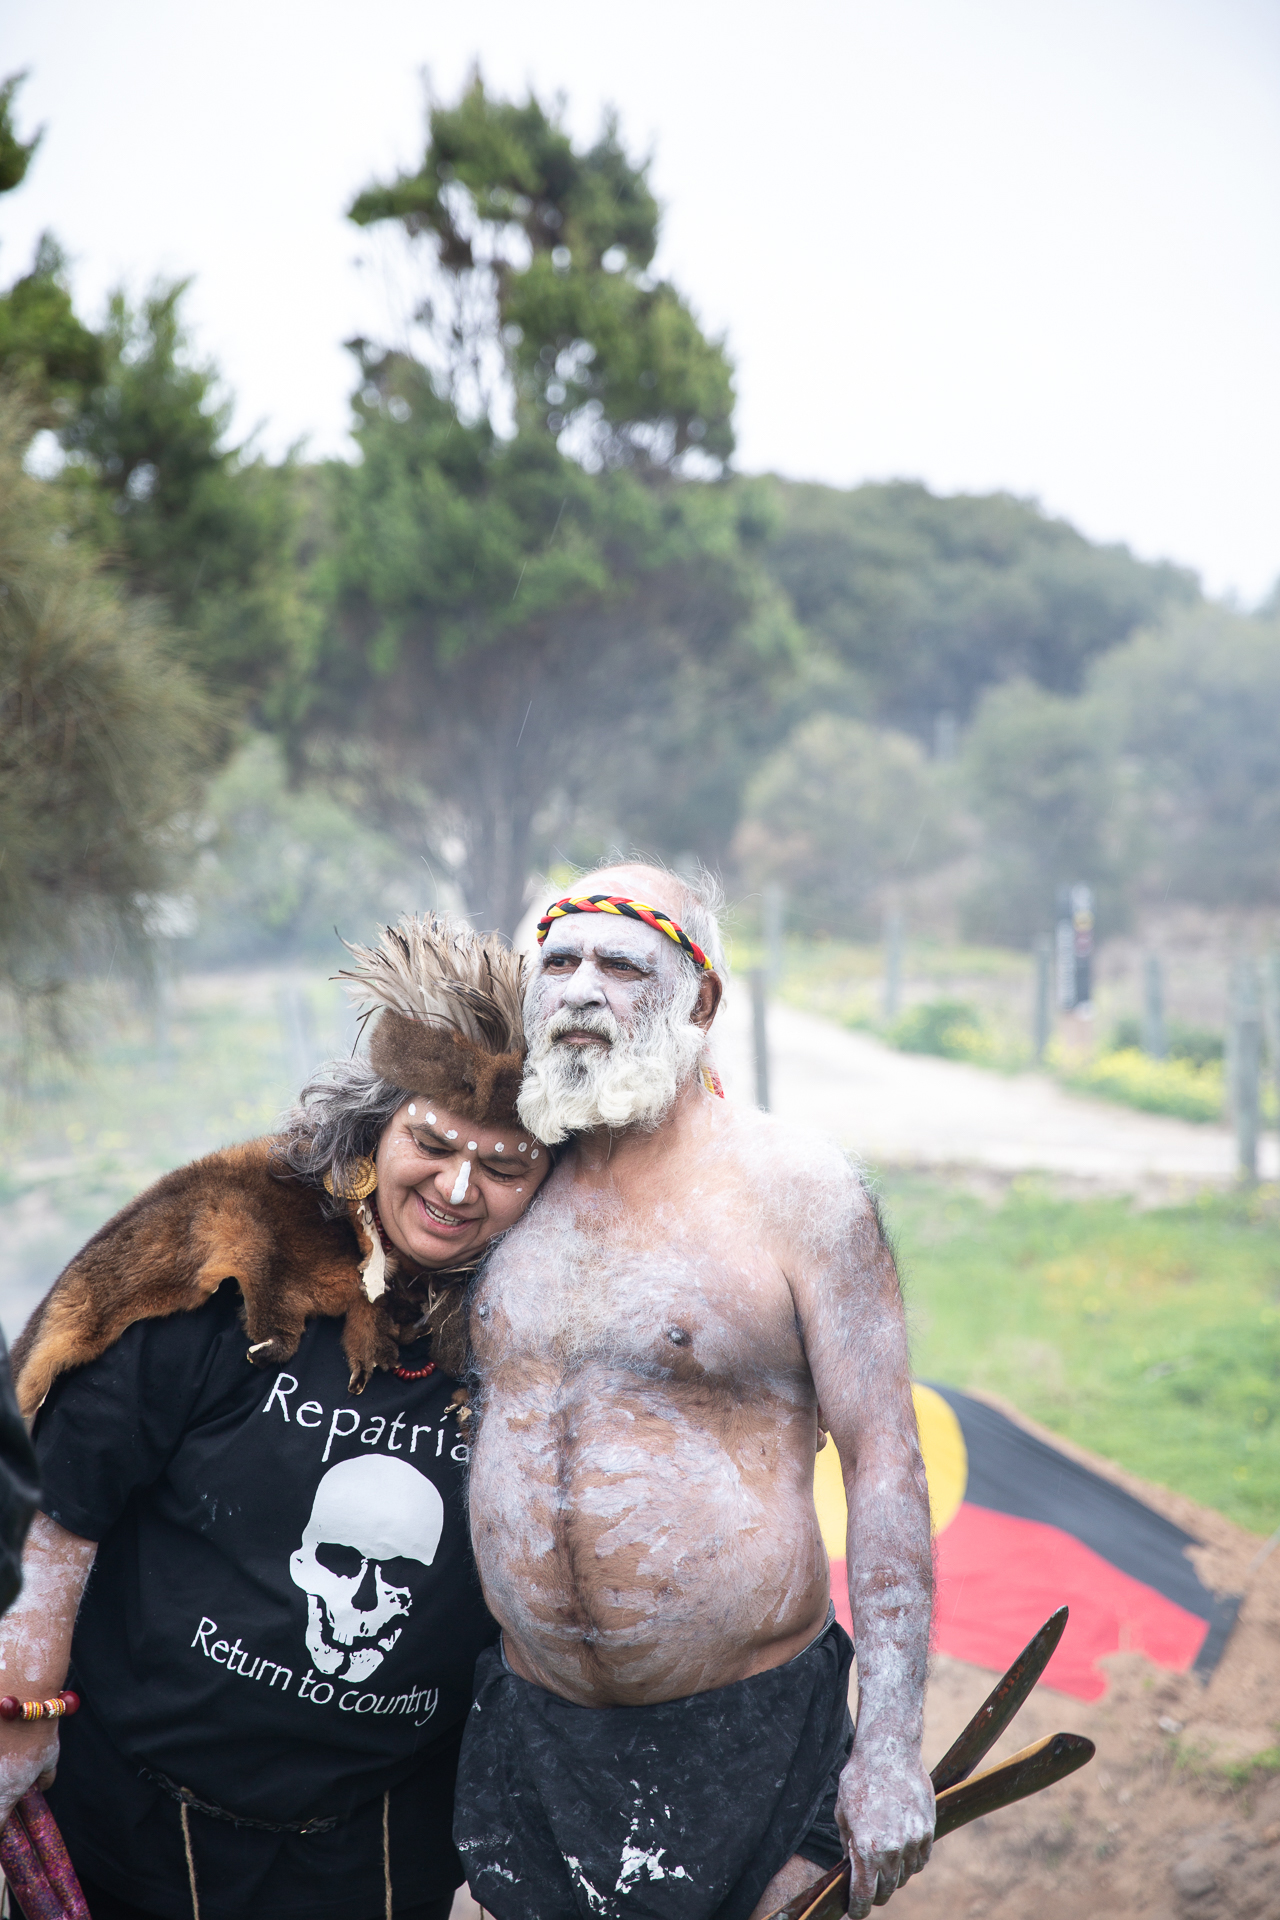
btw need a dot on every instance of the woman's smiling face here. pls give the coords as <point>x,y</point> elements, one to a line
<point>446,1185</point>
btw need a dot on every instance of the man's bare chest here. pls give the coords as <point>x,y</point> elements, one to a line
<point>639,1298</point>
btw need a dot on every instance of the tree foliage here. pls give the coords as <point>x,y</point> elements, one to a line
<point>206,528</point>
<point>1043,778</point>
<point>532,579</point>
<point>16,154</point>
<point>280,866</point>
<point>924,601</point>
<point>504,626</point>
<point>101,735</point>
<point>840,811</point>
<point>44,348</point>
<point>543,286</point>
<point>1198,704</point>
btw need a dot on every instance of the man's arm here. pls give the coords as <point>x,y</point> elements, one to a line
<point>35,1648</point>
<point>854,1330</point>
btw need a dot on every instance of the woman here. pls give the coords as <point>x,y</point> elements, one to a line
<point>249,1426</point>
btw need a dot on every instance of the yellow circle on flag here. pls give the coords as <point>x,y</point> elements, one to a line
<point>946,1466</point>
<point>946,1458</point>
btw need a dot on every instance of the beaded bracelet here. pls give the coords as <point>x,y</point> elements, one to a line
<point>12,1708</point>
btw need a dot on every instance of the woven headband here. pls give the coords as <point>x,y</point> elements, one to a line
<point>629,910</point>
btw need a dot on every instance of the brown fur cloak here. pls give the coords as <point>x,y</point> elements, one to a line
<point>233,1215</point>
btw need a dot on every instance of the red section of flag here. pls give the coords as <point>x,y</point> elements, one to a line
<point>998,1577</point>
<point>840,1594</point>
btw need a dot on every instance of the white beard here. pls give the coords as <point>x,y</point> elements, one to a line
<point>632,1082</point>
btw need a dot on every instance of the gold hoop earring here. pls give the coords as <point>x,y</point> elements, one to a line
<point>360,1182</point>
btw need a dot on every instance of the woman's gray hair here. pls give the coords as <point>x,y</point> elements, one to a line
<point>340,1116</point>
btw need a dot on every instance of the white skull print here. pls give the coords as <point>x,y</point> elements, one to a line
<point>370,1516</point>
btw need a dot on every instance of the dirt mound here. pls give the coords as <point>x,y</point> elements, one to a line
<point>1177,1815</point>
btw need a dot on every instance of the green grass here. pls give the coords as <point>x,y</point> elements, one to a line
<point>1152,1338</point>
<point>1255,1771</point>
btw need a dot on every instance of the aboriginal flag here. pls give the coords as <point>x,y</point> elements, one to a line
<point>1019,1530</point>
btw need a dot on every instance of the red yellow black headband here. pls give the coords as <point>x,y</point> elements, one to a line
<point>630,910</point>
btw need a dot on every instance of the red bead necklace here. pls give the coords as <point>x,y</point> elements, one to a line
<point>401,1373</point>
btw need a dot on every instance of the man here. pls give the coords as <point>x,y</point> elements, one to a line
<point>699,1291</point>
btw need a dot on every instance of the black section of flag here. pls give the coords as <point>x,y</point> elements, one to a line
<point>1012,1472</point>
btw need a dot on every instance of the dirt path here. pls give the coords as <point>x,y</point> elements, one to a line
<point>901,1109</point>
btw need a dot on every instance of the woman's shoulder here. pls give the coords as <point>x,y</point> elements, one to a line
<point>236,1214</point>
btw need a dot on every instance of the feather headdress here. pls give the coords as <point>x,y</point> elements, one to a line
<point>449,1010</point>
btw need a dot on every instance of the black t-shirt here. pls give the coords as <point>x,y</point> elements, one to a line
<point>283,1616</point>
<point>19,1492</point>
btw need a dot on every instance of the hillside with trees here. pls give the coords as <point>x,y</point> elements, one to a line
<point>537,613</point>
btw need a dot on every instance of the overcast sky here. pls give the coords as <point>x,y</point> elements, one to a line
<point>982,243</point>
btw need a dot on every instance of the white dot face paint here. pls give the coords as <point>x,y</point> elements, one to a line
<point>523,1147</point>
<point>431,1119</point>
<point>499,1148</point>
<point>534,1154</point>
<point>451,1134</point>
<point>461,1184</point>
<point>412,1109</point>
<point>471,1146</point>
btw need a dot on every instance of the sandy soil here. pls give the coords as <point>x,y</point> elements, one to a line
<point>899,1109</point>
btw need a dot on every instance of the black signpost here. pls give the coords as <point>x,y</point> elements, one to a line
<point>1075,949</point>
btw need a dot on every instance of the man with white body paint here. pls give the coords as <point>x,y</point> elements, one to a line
<point>698,1291</point>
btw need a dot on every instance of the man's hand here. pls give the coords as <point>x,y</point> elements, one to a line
<point>884,1810</point>
<point>31,1765</point>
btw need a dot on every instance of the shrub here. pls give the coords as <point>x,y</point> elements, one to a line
<point>1178,1087</point>
<point>951,1028</point>
<point>1199,1045</point>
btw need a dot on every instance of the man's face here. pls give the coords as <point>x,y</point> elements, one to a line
<point>610,1028</point>
<point>599,960</point>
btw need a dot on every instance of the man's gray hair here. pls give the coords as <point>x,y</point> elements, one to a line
<point>700,915</point>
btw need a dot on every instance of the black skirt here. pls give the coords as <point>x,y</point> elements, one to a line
<point>680,1811</point>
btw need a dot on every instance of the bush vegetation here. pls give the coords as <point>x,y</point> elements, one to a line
<point>1175,1086</point>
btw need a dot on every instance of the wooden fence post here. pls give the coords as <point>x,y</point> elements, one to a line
<point>760,1034</point>
<point>892,964</point>
<point>1271,1023</point>
<point>1154,1039</point>
<point>775,904</point>
<point>1044,956</point>
<point>1247,1063</point>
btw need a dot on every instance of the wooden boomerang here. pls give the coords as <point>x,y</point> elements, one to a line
<point>1037,1766</point>
<point>999,1707</point>
<point>981,1734</point>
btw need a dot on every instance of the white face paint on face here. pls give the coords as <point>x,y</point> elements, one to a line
<point>438,1207</point>
<point>608,1019</point>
